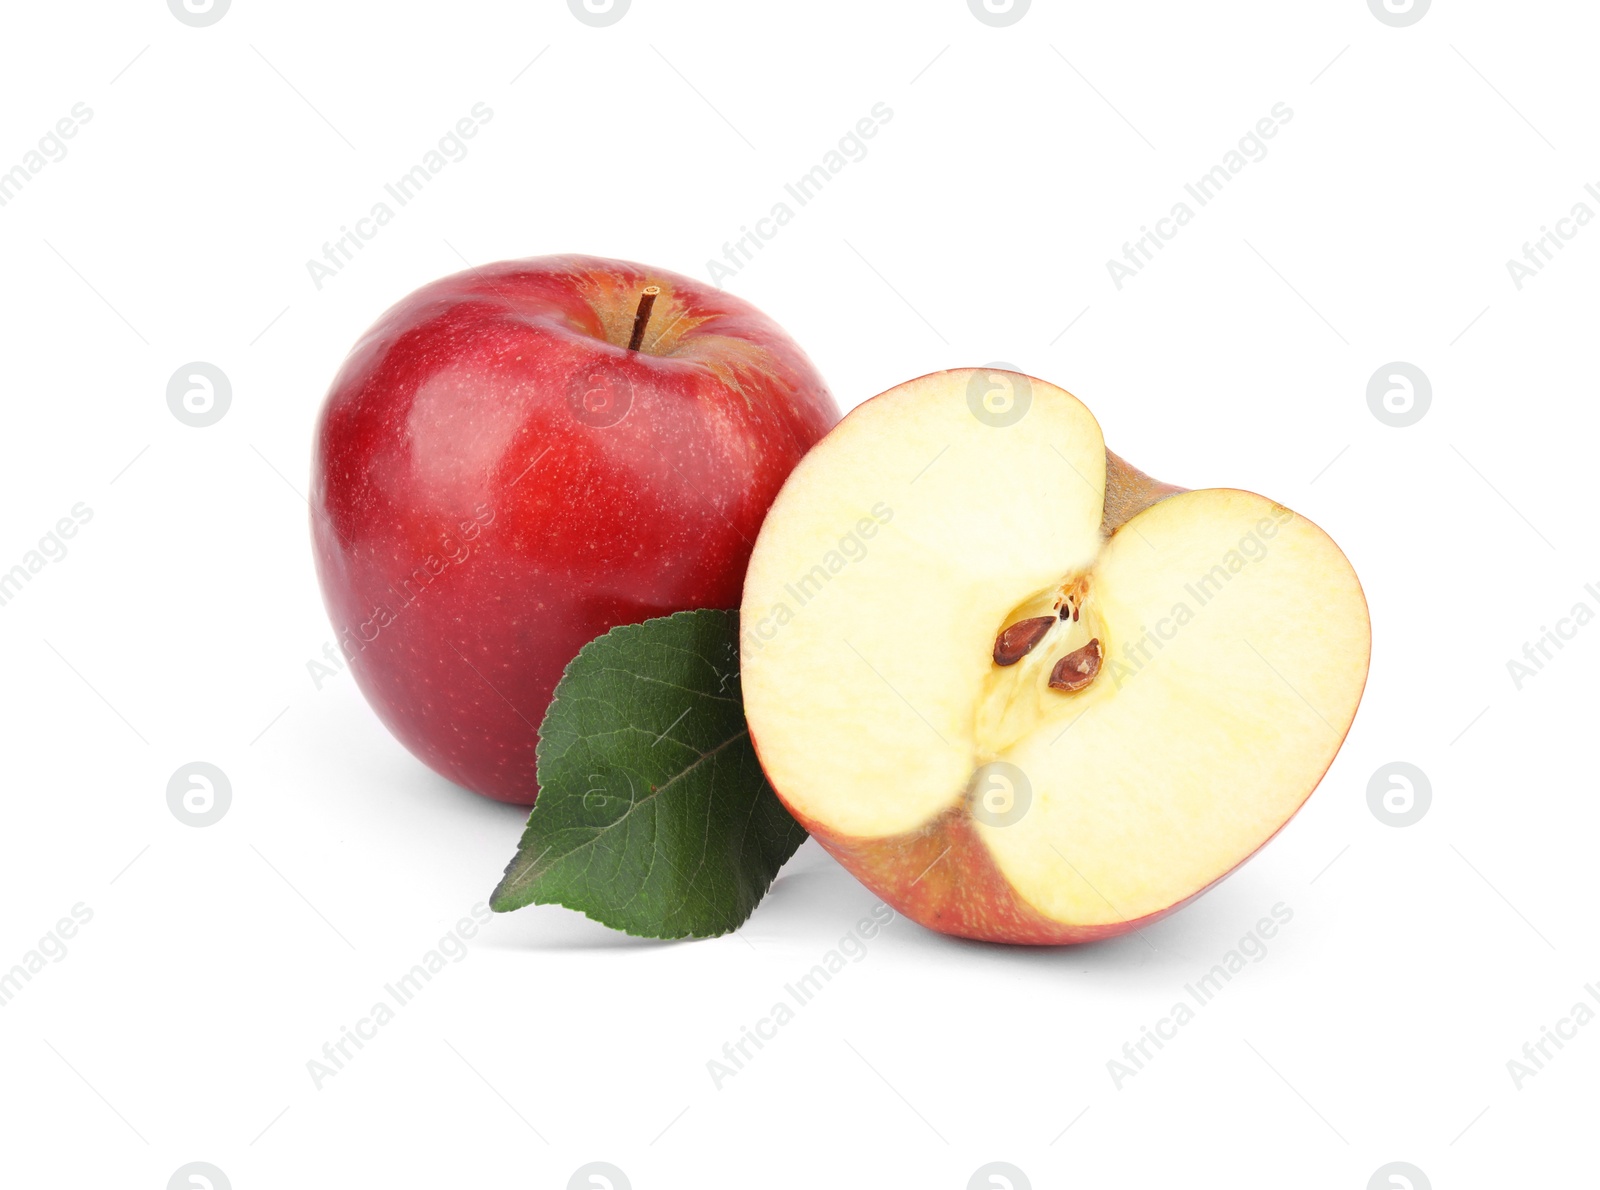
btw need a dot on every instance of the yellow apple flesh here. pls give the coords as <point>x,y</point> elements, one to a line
<point>1203,659</point>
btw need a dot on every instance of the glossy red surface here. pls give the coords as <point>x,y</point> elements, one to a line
<point>497,481</point>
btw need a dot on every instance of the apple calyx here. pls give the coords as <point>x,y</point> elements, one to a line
<point>641,316</point>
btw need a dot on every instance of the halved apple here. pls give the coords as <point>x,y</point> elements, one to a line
<point>1022,691</point>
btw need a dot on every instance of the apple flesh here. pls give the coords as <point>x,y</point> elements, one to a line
<point>499,479</point>
<point>1024,692</point>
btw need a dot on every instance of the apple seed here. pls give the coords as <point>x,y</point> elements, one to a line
<point>1016,642</point>
<point>1077,669</point>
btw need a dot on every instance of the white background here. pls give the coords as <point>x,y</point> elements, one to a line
<point>1019,159</point>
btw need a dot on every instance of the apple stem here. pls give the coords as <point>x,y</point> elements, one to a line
<point>641,317</point>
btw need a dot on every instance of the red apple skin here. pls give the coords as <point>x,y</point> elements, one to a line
<point>497,480</point>
<point>943,877</point>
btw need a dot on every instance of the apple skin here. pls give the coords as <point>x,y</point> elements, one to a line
<point>497,480</point>
<point>944,878</point>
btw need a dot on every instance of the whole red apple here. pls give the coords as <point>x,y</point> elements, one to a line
<point>521,457</point>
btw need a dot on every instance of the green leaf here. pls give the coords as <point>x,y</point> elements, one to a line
<point>653,815</point>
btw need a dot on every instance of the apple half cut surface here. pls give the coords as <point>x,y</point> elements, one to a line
<point>1022,691</point>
